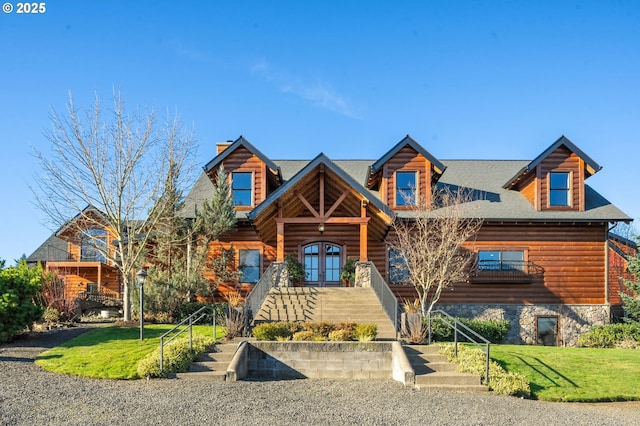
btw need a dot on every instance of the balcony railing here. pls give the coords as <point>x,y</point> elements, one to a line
<point>505,272</point>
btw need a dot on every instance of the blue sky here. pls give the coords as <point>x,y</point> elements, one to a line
<point>467,79</point>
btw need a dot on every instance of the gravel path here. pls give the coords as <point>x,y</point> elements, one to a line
<point>32,396</point>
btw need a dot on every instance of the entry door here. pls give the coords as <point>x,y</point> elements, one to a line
<point>322,263</point>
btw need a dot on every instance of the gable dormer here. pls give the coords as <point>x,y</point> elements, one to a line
<point>405,175</point>
<point>252,175</point>
<point>555,179</point>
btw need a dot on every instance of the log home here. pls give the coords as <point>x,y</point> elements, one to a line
<point>542,256</point>
<point>542,253</point>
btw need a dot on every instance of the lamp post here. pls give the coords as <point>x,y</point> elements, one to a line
<point>142,277</point>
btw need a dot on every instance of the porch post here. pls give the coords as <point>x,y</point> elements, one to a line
<point>364,257</point>
<point>280,242</point>
<point>363,243</point>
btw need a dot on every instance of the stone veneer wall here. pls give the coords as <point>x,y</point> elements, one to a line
<point>573,320</point>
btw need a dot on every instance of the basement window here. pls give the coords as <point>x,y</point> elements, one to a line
<point>547,331</point>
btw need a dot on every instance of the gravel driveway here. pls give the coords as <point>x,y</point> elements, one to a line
<point>32,396</point>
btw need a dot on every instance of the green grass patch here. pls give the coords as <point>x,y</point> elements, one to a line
<point>109,352</point>
<point>574,374</point>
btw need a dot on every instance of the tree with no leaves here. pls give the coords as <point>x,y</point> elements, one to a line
<point>429,243</point>
<point>114,162</point>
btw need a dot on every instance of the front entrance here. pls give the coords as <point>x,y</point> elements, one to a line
<point>322,263</point>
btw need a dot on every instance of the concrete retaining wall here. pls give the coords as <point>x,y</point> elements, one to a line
<point>324,360</point>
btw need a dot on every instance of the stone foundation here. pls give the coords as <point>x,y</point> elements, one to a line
<point>573,320</point>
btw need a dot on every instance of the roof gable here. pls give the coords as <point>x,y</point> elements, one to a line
<point>320,159</point>
<point>409,141</point>
<point>591,166</point>
<point>241,141</point>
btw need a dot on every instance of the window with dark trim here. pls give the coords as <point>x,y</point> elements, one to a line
<point>398,273</point>
<point>242,188</point>
<point>249,265</point>
<point>500,260</point>
<point>405,189</point>
<point>559,189</point>
<point>93,245</point>
<point>547,331</point>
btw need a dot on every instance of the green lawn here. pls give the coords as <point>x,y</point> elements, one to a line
<point>574,374</point>
<point>109,352</point>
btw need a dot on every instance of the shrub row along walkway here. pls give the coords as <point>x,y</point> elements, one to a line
<point>30,395</point>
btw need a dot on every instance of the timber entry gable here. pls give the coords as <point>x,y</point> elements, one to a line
<point>321,198</point>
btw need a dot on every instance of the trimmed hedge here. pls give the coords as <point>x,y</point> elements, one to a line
<point>315,331</point>
<point>625,335</point>
<point>494,331</point>
<point>177,357</point>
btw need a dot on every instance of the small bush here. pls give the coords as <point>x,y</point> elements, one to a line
<point>177,357</point>
<point>473,361</point>
<point>365,332</point>
<point>610,335</point>
<point>304,336</point>
<point>51,315</point>
<point>342,335</point>
<point>275,330</point>
<point>349,326</point>
<point>494,331</point>
<point>319,328</point>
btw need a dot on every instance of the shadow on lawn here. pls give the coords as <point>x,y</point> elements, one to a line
<point>544,370</point>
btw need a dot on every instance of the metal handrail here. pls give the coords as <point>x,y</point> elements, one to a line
<point>258,294</point>
<point>456,328</point>
<point>202,312</point>
<point>387,299</point>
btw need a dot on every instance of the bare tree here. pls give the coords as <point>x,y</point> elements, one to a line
<point>115,162</point>
<point>428,244</point>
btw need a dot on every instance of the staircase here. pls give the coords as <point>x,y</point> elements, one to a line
<point>212,365</point>
<point>434,372</point>
<point>357,304</point>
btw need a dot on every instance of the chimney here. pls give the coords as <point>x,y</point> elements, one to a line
<point>221,146</point>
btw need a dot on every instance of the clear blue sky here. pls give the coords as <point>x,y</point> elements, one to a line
<point>467,79</point>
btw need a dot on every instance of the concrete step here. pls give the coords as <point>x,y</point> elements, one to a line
<point>447,378</point>
<point>454,388</point>
<point>211,365</point>
<point>219,376</point>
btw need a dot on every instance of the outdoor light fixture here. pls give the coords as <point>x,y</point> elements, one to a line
<point>141,276</point>
<point>321,228</point>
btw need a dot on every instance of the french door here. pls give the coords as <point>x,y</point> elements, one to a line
<point>322,263</point>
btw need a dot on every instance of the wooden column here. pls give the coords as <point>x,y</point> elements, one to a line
<point>364,257</point>
<point>280,242</point>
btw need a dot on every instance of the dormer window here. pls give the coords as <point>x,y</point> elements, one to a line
<point>406,189</point>
<point>559,189</point>
<point>242,189</point>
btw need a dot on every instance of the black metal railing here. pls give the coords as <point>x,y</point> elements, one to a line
<point>461,329</point>
<point>98,296</point>
<point>258,294</point>
<point>387,299</point>
<point>511,271</point>
<point>188,324</point>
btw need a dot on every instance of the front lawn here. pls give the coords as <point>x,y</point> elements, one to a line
<point>109,352</point>
<point>574,374</point>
